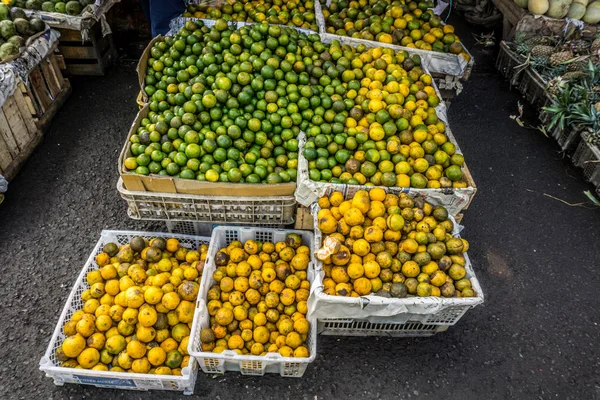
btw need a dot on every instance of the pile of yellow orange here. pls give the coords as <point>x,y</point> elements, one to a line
<point>138,310</point>
<point>391,246</point>
<point>410,24</point>
<point>258,304</point>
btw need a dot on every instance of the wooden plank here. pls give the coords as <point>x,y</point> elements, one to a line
<point>49,78</point>
<point>27,99</point>
<point>40,89</point>
<point>46,119</point>
<point>56,67</point>
<point>39,109</point>
<point>11,171</point>
<point>15,122</point>
<point>67,35</point>
<point>60,61</point>
<point>7,135</point>
<point>25,114</point>
<point>5,156</point>
<point>72,52</point>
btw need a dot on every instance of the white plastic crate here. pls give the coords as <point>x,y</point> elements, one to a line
<point>363,327</point>
<point>114,380</point>
<point>201,228</point>
<point>275,210</point>
<point>366,315</point>
<point>228,360</point>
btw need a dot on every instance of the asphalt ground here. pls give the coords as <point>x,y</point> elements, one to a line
<point>536,257</point>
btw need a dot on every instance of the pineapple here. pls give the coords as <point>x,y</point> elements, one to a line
<point>539,61</point>
<point>560,57</point>
<point>539,40</point>
<point>555,85</point>
<point>579,46</point>
<point>595,46</point>
<point>542,50</point>
<point>572,76</point>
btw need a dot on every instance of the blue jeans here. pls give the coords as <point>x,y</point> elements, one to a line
<point>159,14</point>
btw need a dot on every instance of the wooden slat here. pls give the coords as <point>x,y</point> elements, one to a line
<point>60,61</point>
<point>25,114</point>
<point>72,52</point>
<point>56,67</point>
<point>67,35</point>
<point>15,122</point>
<point>7,135</point>
<point>5,155</point>
<point>50,78</point>
<point>46,119</point>
<point>11,171</point>
<point>40,89</point>
<point>27,99</point>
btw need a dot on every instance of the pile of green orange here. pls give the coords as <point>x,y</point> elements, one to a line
<point>278,12</point>
<point>410,24</point>
<point>228,105</point>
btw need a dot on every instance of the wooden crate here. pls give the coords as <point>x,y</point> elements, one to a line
<point>27,114</point>
<point>86,57</point>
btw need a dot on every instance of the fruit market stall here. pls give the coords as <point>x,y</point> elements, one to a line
<point>32,89</point>
<point>86,44</point>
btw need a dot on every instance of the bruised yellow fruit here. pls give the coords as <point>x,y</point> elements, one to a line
<point>361,201</point>
<point>88,358</point>
<point>352,217</point>
<point>73,345</point>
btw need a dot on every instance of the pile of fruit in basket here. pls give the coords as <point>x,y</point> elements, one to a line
<point>70,7</point>
<point>15,28</point>
<point>138,309</point>
<point>292,13</point>
<point>391,246</point>
<point>410,24</point>
<point>571,70</point>
<point>227,105</point>
<point>573,9</point>
<point>257,304</point>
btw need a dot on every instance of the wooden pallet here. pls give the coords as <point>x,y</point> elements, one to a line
<point>86,57</point>
<point>27,114</point>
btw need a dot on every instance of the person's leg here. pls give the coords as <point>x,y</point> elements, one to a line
<point>162,12</point>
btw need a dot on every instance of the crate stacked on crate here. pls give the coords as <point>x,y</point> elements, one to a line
<point>38,91</point>
<point>90,56</point>
<point>86,45</point>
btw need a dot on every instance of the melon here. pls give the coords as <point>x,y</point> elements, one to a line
<point>522,3</point>
<point>558,8</point>
<point>576,11</point>
<point>592,14</point>
<point>538,7</point>
<point>582,2</point>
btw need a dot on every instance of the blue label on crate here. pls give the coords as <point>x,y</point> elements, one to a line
<point>94,380</point>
